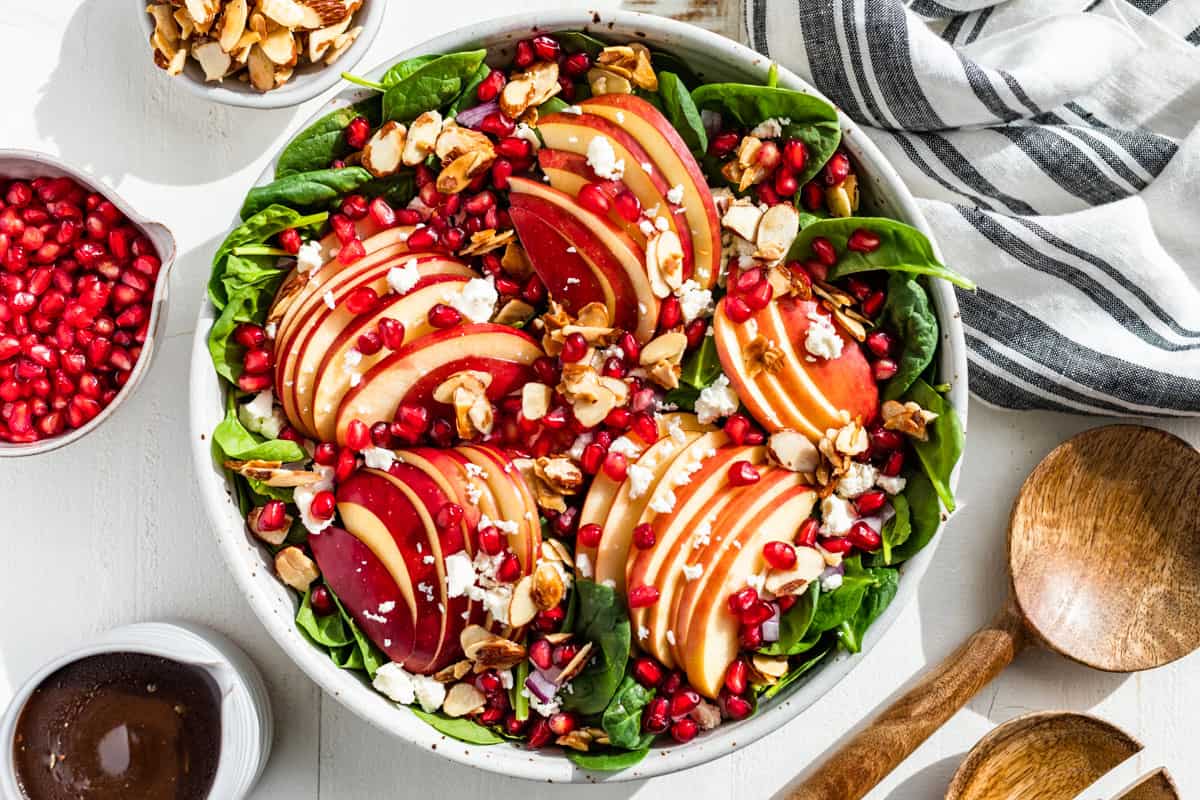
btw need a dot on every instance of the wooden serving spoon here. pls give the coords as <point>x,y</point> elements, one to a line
<point>1051,756</point>
<point>1103,554</point>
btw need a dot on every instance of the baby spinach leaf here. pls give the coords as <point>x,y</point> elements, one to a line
<point>684,398</point>
<point>603,620</point>
<point>897,529</point>
<point>622,719</point>
<point>464,729</point>
<point>794,625</point>
<point>305,190</point>
<point>799,670</point>
<point>238,443</point>
<point>810,119</point>
<point>413,88</point>
<point>663,61</point>
<point>554,105</point>
<point>226,278</point>
<point>247,304</point>
<point>941,450</point>
<point>318,145</point>
<point>327,631</point>
<point>703,366</point>
<point>396,189</point>
<point>402,69</point>
<point>607,761</point>
<point>843,602</point>
<point>580,42</point>
<point>924,515</point>
<point>773,76</point>
<point>518,696</point>
<point>877,598</point>
<point>369,657</point>
<point>467,97</point>
<point>908,313</point>
<point>681,111</point>
<point>902,248</point>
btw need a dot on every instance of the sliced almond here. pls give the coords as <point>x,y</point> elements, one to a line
<point>262,70</point>
<point>548,587</point>
<point>668,347</point>
<point>618,387</point>
<point>273,538</point>
<point>742,218</point>
<point>808,567</point>
<point>593,315</point>
<point>281,47</point>
<point>288,13</point>
<point>320,41</point>
<point>494,652</point>
<point>522,609</point>
<point>514,261</point>
<point>772,668</point>
<point>907,418</point>
<point>233,24</point>
<point>320,13</point>
<point>603,81</point>
<point>476,381</point>
<point>559,473</point>
<point>272,473</point>
<point>852,439</point>
<point>454,141</point>
<point>666,374</point>
<point>473,635</point>
<point>514,312</point>
<point>776,231</point>
<point>203,13</point>
<point>458,174</point>
<point>706,715</point>
<point>454,672</point>
<point>579,739</point>
<point>535,400</point>
<point>556,551</point>
<point>382,154</point>
<point>187,26</point>
<point>575,665</point>
<point>591,412</point>
<point>422,137</point>
<point>463,699</point>
<point>558,638</point>
<point>341,44</point>
<point>213,60</point>
<point>793,450</point>
<point>529,89</point>
<point>486,241</point>
<point>296,569</point>
<point>631,62</point>
<point>664,262</point>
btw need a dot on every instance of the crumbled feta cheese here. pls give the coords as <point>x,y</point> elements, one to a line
<point>716,401</point>
<point>581,441</point>
<point>639,480</point>
<point>647,167</point>
<point>496,601</point>
<point>609,582</point>
<point>476,300</point>
<point>837,516</point>
<point>428,560</point>
<point>329,301</point>
<point>460,574</point>
<point>271,329</point>
<point>527,133</point>
<point>387,607</point>
<point>662,223</point>
<point>621,117</point>
<point>671,638</point>
<point>663,501</point>
<point>403,278</point>
<point>303,497</point>
<point>643,632</point>
<point>583,565</point>
<point>576,110</point>
<point>626,447</point>
<point>694,301</point>
<point>506,678</point>
<point>395,682</point>
<point>831,581</point>
<point>548,709</point>
<point>378,457</point>
<point>310,258</point>
<point>261,416</point>
<point>675,194</point>
<point>692,571</point>
<point>703,534</point>
<point>430,693</point>
<point>675,431</point>
<point>474,493</point>
<point>646,227</point>
<point>602,158</point>
<point>475,471</point>
<point>371,615</point>
<point>770,128</point>
<point>858,479</point>
<point>892,484</point>
<point>822,339</point>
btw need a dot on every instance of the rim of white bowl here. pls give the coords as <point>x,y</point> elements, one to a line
<point>306,82</point>
<point>275,604</point>
<point>29,164</point>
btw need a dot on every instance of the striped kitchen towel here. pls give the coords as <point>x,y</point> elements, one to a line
<point>1054,147</point>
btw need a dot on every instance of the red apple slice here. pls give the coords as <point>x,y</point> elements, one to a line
<point>364,585</point>
<point>569,277</point>
<point>711,642</point>
<point>412,373</point>
<point>569,172</point>
<point>674,161</point>
<point>513,499</point>
<point>608,251</point>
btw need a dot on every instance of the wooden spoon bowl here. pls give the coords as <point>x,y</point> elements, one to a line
<point>1050,756</point>
<point>1104,559</point>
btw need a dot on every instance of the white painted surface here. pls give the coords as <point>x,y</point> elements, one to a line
<point>109,532</point>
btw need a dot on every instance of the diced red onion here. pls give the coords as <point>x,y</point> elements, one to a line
<point>877,521</point>
<point>770,628</point>
<point>711,121</point>
<point>840,569</point>
<point>543,688</point>
<point>472,117</point>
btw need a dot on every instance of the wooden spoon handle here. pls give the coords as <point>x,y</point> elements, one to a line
<point>872,753</point>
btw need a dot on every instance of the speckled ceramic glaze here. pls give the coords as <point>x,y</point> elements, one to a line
<point>713,57</point>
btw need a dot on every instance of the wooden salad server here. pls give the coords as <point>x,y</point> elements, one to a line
<point>1104,564</point>
<point>1051,755</point>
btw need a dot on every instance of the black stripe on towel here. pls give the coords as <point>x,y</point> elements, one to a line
<point>987,94</point>
<point>758,27</point>
<point>995,390</point>
<point>950,32</point>
<point>1120,380</point>
<point>1148,149</point>
<point>1064,163</point>
<point>915,157</point>
<point>948,154</point>
<point>887,40</point>
<point>982,19</point>
<point>1099,148</point>
<point>930,9</point>
<point>855,57</point>
<point>1147,6</point>
<point>1019,91</point>
<point>825,59</point>
<point>1194,36</point>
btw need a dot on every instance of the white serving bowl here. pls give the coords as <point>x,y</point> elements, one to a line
<point>26,164</point>
<point>715,58</point>
<point>246,722</point>
<point>306,82</point>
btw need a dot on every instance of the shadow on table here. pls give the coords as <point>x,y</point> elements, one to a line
<point>107,107</point>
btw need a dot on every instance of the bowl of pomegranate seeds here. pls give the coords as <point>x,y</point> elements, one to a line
<point>83,290</point>
<point>582,388</point>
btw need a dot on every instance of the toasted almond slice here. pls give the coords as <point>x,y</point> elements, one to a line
<point>668,347</point>
<point>296,569</point>
<point>454,672</point>
<point>535,400</point>
<point>422,137</point>
<point>808,567</point>
<point>776,230</point>
<point>272,473</point>
<point>457,175</point>
<point>473,635</point>
<point>473,380</point>
<point>233,24</point>
<point>578,739</point>
<point>288,13</point>
<point>203,13</point>
<point>514,312</point>
<point>591,412</point>
<point>743,218</point>
<point>529,89</point>
<point>187,26</point>
<point>342,43</point>
<point>907,418</point>
<point>548,587</point>
<point>213,60</point>
<point>463,699</point>
<point>793,450</point>
<point>522,609</point>
<point>852,439</point>
<point>485,241</point>
<point>554,550</point>
<point>320,41</point>
<point>774,667</point>
<point>664,262</point>
<point>514,260</point>
<point>262,71</point>
<point>281,47</point>
<point>838,201</point>
<point>558,638</point>
<point>454,141</point>
<point>327,12</point>
<point>618,387</point>
<point>575,665</point>
<point>496,652</point>
<point>381,155</point>
<point>604,81</point>
<point>666,374</point>
<point>559,473</point>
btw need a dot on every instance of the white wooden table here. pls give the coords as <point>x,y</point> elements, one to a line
<point>110,531</point>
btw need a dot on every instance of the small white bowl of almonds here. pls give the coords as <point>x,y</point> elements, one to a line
<point>260,53</point>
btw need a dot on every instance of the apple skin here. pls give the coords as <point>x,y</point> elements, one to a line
<point>802,395</point>
<point>573,133</point>
<point>391,524</point>
<point>513,499</point>
<point>615,257</point>
<point>569,172</point>
<point>361,582</point>
<point>568,276</point>
<point>332,380</point>
<point>675,163</point>
<point>711,641</point>
<point>412,373</point>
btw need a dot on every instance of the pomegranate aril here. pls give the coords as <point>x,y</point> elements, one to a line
<point>736,309</point>
<point>627,205</point>
<point>491,541</point>
<point>780,555</point>
<point>670,313</point>
<point>733,707</point>
<point>864,537</point>
<point>863,241</point>
<point>884,369</point>
<point>391,331</point>
<point>509,568</point>
<point>594,199</point>
<point>683,701</point>
<point>794,154</point>
<point>257,362</point>
<point>616,466</point>
<point>444,316</point>
<point>489,88</point>
<point>723,144</point>
<point>836,544</point>
<point>874,304</point>
<point>647,672</point>
<point>369,343</point>
<point>656,716</point>
<point>869,502</point>
<point>273,515</point>
<point>325,454</point>
<point>836,169</point>
<point>756,614</point>
<point>422,238</point>
<point>644,536</point>
<point>736,679</point>
<point>807,535</point>
<point>358,133</point>
<point>525,54</point>
<point>894,463</point>
<point>358,435</point>
<point>824,251</point>
<point>785,183</point>
<point>750,637</point>
<point>589,535</point>
<point>742,473</point>
<point>541,654</point>
<point>323,505</point>
<point>643,596</point>
<point>880,343</point>
<point>742,600</point>
<point>684,730</point>
<point>361,300</point>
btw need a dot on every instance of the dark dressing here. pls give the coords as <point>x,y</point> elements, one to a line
<point>118,726</point>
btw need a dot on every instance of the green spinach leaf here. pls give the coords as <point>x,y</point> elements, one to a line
<point>877,598</point>
<point>228,277</point>
<point>810,119</point>
<point>327,631</point>
<point>902,248</point>
<point>622,719</point>
<point>411,88</point>
<point>908,313</point>
<point>924,515</point>
<point>703,366</point>
<point>941,450</point>
<point>368,656</point>
<point>898,529</point>
<point>794,625</point>
<point>603,620</point>
<point>305,190</point>
<point>580,42</point>
<point>234,441</point>
<point>464,729</point>
<point>843,602</point>
<point>817,656</point>
<point>681,111</point>
<point>467,97</point>
<point>607,761</point>
<point>318,145</point>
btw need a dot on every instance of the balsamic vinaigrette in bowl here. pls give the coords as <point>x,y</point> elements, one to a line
<point>120,725</point>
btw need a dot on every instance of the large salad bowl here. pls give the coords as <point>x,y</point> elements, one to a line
<point>714,58</point>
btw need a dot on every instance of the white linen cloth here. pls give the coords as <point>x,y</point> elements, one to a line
<point>1054,147</point>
